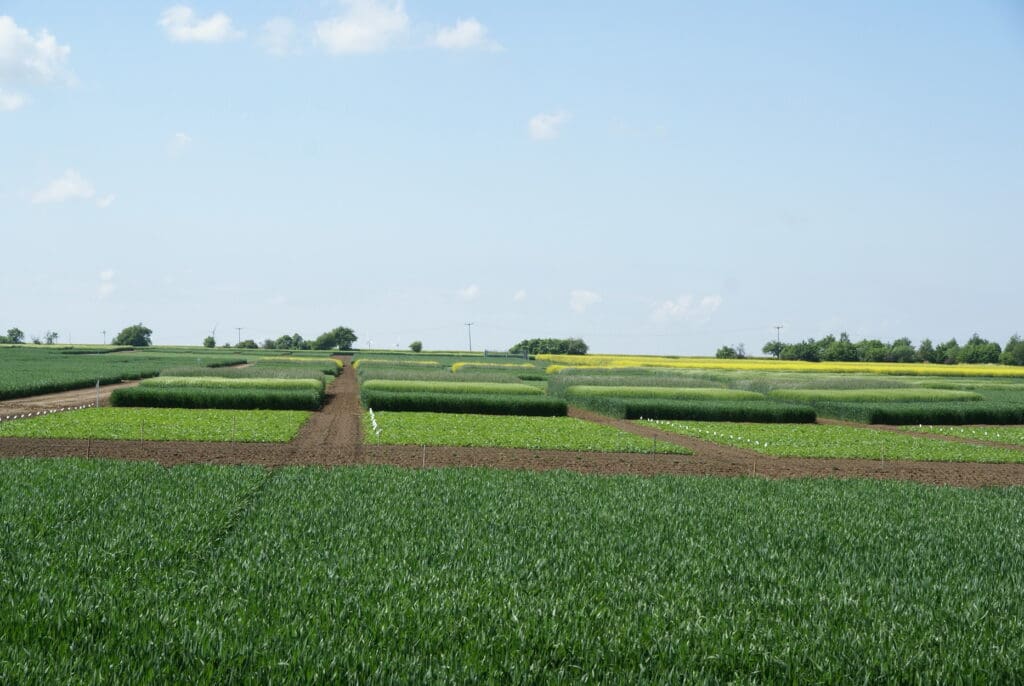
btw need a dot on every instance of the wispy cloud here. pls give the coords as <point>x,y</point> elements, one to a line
<point>547,126</point>
<point>70,186</point>
<point>181,25</point>
<point>364,26</point>
<point>468,293</point>
<point>27,59</point>
<point>519,296</point>
<point>105,201</point>
<point>687,308</point>
<point>278,36</point>
<point>466,34</point>
<point>580,300</point>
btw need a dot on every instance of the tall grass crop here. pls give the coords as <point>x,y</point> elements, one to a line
<point>660,393</point>
<point>698,410</point>
<point>316,385</point>
<point>219,398</point>
<point>131,573</point>
<point>977,412</point>
<point>874,395</point>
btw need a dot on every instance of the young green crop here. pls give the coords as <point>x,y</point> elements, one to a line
<point>316,385</point>
<point>1013,435</point>
<point>132,573</point>
<point>535,433</point>
<point>831,441</point>
<point>159,424</point>
<point>398,386</point>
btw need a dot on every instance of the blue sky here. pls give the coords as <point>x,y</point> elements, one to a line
<point>654,177</point>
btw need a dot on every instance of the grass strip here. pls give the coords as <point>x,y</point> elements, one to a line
<point>492,403</point>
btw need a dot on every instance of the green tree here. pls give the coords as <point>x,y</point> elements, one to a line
<point>15,335</point>
<point>135,335</point>
<point>773,348</point>
<point>979,351</point>
<point>1013,353</point>
<point>727,352</point>
<point>209,342</point>
<point>946,353</point>
<point>416,346</point>
<point>51,337</point>
<point>926,351</point>
<point>341,338</point>
<point>247,343</point>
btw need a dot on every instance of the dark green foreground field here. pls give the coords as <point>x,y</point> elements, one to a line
<point>133,572</point>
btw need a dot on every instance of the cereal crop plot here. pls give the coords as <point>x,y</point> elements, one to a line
<point>158,424</point>
<point>660,392</point>
<point>302,574</point>
<point>1011,435</point>
<point>535,433</point>
<point>875,395</point>
<point>397,386</point>
<point>829,441</point>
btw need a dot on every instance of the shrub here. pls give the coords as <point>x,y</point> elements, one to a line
<point>525,405</point>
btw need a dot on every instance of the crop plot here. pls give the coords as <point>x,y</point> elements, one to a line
<point>535,433</point>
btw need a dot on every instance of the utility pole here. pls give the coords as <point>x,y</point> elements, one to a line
<point>469,330</point>
<point>104,336</point>
<point>239,329</point>
<point>778,341</point>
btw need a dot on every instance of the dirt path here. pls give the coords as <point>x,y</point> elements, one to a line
<point>333,437</point>
<point>64,399</point>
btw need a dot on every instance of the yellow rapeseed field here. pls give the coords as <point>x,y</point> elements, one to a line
<point>560,362</point>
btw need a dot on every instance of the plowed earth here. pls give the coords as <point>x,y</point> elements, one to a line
<point>333,437</point>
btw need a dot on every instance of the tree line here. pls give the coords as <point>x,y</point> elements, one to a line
<point>550,346</point>
<point>976,350</point>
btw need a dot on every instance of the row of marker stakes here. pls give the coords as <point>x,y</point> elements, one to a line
<point>40,413</point>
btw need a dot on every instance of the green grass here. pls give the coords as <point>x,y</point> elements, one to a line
<point>397,386</point>
<point>1013,435</point>
<point>535,433</point>
<point>831,441</point>
<point>134,573</point>
<point>159,424</point>
<point>657,392</point>
<point>874,395</point>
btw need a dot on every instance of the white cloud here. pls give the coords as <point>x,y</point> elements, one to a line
<point>519,296</point>
<point>467,34</point>
<point>545,127</point>
<point>278,300</point>
<point>365,26</point>
<point>11,101</point>
<point>70,186</point>
<point>105,201</point>
<point>181,24</point>
<point>106,286</point>
<point>580,300</point>
<point>468,293</point>
<point>277,36</point>
<point>178,143</point>
<point>24,57</point>
<point>687,308</point>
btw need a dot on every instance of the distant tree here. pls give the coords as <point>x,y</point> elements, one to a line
<point>550,346</point>
<point>926,351</point>
<point>135,335</point>
<point>50,337</point>
<point>247,343</point>
<point>901,350</point>
<point>727,352</point>
<point>416,346</point>
<point>946,353</point>
<point>293,342</point>
<point>842,350</point>
<point>979,351</point>
<point>1013,353</point>
<point>872,350</point>
<point>341,338</point>
<point>268,344</point>
<point>14,335</point>
<point>210,342</point>
<point>808,351</point>
<point>773,348</point>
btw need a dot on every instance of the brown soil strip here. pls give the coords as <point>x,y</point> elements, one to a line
<point>332,437</point>
<point>56,401</point>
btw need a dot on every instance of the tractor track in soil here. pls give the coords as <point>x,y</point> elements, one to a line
<point>333,437</point>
